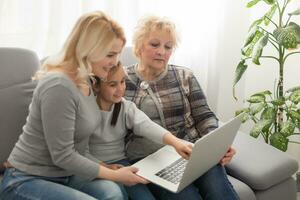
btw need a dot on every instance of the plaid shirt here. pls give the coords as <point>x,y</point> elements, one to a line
<point>181,100</point>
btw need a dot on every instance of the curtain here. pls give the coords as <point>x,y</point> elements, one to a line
<point>44,25</point>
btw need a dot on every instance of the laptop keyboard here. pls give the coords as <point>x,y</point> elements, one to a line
<point>174,171</point>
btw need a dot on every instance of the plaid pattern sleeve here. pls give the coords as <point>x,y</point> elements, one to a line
<point>205,119</point>
<point>184,106</point>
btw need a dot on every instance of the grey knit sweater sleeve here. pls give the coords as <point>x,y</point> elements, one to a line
<point>59,131</point>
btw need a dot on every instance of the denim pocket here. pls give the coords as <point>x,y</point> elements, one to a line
<point>12,178</point>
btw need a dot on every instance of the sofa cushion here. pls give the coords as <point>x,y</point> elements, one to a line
<point>260,165</point>
<point>16,89</point>
<point>284,190</point>
<point>243,190</point>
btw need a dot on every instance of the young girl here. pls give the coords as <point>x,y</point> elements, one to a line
<point>119,116</point>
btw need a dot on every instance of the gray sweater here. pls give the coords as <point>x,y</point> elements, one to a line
<point>57,129</point>
<point>108,143</point>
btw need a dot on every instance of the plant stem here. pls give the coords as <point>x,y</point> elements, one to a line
<point>288,20</point>
<point>266,31</point>
<point>272,57</point>
<point>265,137</point>
<point>274,45</point>
<point>289,55</point>
<point>280,86</point>
<point>281,67</point>
<point>271,21</point>
<point>279,11</point>
<point>254,119</point>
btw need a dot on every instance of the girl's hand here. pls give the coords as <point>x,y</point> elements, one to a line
<point>183,148</point>
<point>228,156</point>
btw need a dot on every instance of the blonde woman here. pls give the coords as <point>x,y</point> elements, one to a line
<point>172,97</point>
<point>48,161</point>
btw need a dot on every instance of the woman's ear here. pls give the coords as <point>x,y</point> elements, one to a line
<point>95,80</point>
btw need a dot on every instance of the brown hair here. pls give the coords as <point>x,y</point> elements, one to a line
<point>118,105</point>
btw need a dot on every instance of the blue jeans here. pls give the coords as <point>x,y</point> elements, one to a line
<point>213,185</point>
<point>138,191</point>
<point>19,185</point>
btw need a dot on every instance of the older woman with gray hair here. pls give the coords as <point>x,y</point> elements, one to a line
<point>172,97</point>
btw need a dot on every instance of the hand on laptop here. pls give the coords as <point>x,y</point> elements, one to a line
<point>228,156</point>
<point>183,148</point>
<point>124,175</point>
<point>127,176</point>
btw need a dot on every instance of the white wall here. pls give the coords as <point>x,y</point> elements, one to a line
<point>227,58</point>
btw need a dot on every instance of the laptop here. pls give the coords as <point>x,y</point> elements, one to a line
<point>169,170</point>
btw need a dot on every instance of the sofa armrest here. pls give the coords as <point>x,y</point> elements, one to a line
<point>258,164</point>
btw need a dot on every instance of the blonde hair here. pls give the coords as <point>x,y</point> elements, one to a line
<point>149,24</point>
<point>89,41</point>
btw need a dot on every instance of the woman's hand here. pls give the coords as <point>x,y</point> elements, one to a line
<point>127,176</point>
<point>228,156</point>
<point>124,175</point>
<point>183,148</point>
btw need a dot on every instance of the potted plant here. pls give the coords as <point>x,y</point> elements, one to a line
<point>276,114</point>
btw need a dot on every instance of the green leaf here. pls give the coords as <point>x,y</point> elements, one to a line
<point>256,56</point>
<point>268,113</point>
<point>247,51</point>
<point>239,71</point>
<point>259,48</point>
<point>289,36</point>
<point>245,110</point>
<point>256,99</point>
<point>288,128</point>
<point>256,23</point>
<point>269,14</point>
<point>245,118</point>
<point>295,12</point>
<point>296,28</point>
<point>270,2</point>
<point>278,102</point>
<point>259,126</point>
<point>279,141</point>
<point>252,3</point>
<point>294,115</point>
<point>250,36</point>
<point>264,93</point>
<point>256,108</point>
<point>295,97</point>
<point>293,89</point>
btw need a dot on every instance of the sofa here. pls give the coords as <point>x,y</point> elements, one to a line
<point>257,171</point>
